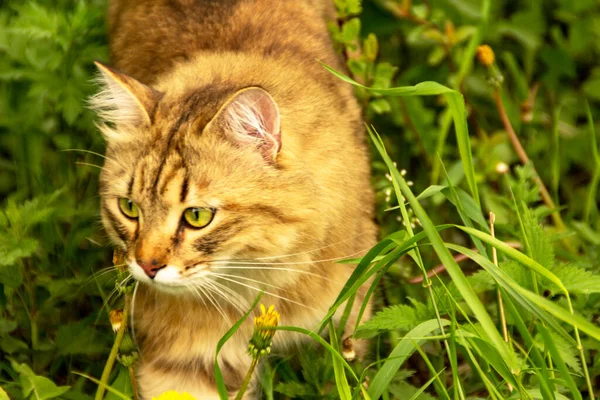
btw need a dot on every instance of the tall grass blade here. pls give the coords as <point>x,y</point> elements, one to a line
<point>446,258</point>
<point>398,356</point>
<point>559,362</point>
<point>220,382</point>
<point>338,369</point>
<point>456,104</point>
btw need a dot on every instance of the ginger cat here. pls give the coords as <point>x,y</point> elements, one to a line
<point>235,163</point>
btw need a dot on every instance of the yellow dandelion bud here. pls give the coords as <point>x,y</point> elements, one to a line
<point>485,55</point>
<point>172,395</point>
<point>260,343</point>
<point>115,317</point>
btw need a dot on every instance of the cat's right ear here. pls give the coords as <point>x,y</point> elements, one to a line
<point>123,102</point>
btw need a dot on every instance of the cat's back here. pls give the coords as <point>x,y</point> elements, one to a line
<point>149,36</point>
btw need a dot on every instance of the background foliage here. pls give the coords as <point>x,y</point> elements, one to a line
<point>53,310</point>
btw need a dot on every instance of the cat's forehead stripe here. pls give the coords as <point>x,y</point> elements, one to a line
<point>184,187</point>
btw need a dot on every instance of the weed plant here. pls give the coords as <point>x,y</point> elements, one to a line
<point>486,281</point>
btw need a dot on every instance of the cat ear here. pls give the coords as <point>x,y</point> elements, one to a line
<point>123,101</point>
<point>251,118</point>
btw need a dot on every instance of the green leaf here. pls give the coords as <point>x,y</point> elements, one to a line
<point>121,384</point>
<point>537,304</point>
<point>538,244</point>
<point>400,354</point>
<point>576,279</point>
<point>79,338</point>
<point>403,390</point>
<point>348,7</point>
<point>558,359</point>
<point>399,316</point>
<point>350,32</point>
<point>446,258</point>
<point>38,387</point>
<point>467,204</point>
<point>295,390</point>
<point>567,351</point>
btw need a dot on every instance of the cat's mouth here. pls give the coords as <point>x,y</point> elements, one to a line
<point>167,278</point>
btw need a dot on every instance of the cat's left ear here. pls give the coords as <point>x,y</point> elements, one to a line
<point>123,100</point>
<point>251,118</point>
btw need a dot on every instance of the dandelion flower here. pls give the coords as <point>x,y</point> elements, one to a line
<point>260,343</point>
<point>485,55</point>
<point>172,395</point>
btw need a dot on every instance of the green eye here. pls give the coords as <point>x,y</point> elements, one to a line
<point>198,217</point>
<point>129,208</point>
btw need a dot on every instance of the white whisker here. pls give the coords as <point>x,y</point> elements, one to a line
<point>243,303</point>
<point>88,164</point>
<point>132,313</point>
<point>247,279</point>
<point>274,269</point>
<point>292,263</point>
<point>90,152</point>
<point>214,302</point>
<point>269,293</point>
<point>221,293</point>
<point>300,253</point>
<point>196,292</point>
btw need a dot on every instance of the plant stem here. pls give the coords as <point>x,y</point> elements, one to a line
<point>591,198</point>
<point>500,303</point>
<point>247,379</point>
<point>546,197</point>
<point>133,384</point>
<point>581,352</point>
<point>113,352</point>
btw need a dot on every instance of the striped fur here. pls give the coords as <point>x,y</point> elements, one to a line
<point>289,180</point>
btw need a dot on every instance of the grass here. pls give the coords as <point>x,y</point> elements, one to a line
<point>452,140</point>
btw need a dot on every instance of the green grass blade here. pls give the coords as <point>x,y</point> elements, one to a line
<point>559,362</point>
<point>468,56</point>
<point>323,343</point>
<point>338,369</point>
<point>456,104</point>
<point>509,285</point>
<point>425,386</point>
<point>220,382</point>
<point>540,302</point>
<point>398,356</point>
<point>493,392</point>
<point>590,204</point>
<point>538,361</point>
<point>107,387</point>
<point>515,255</point>
<point>439,384</point>
<point>446,258</point>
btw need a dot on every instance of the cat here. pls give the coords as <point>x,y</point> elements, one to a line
<point>235,163</point>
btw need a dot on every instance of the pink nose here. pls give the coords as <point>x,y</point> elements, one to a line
<point>150,268</point>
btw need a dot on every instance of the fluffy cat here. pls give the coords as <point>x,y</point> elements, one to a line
<point>234,163</point>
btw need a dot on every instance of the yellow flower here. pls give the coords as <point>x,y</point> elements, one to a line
<point>485,55</point>
<point>260,343</point>
<point>173,395</point>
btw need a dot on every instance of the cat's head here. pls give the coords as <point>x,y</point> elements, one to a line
<point>198,186</point>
